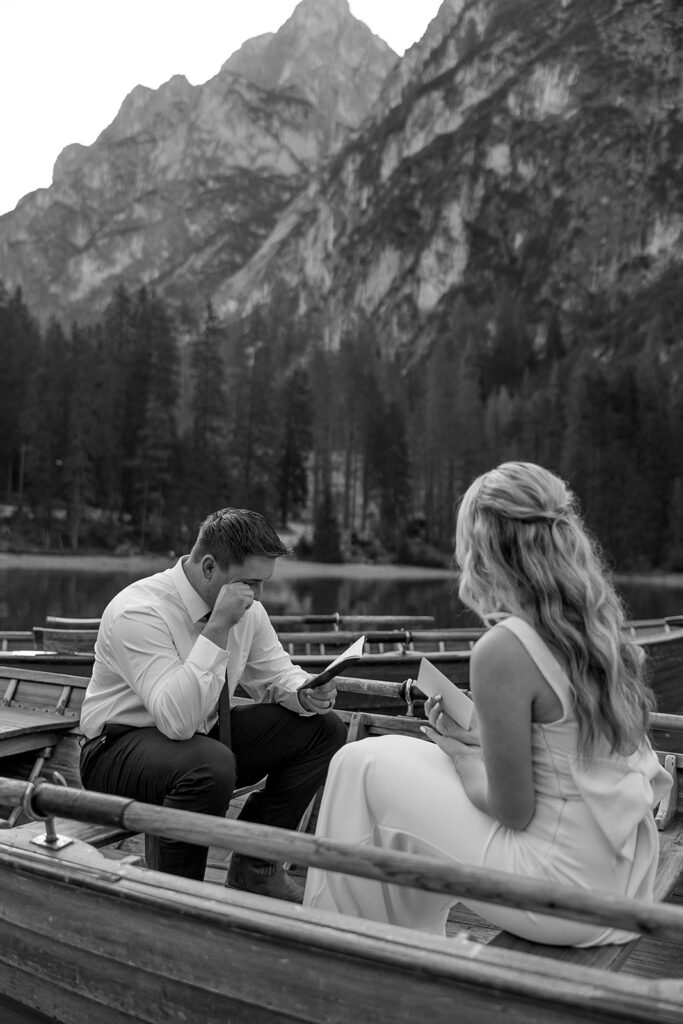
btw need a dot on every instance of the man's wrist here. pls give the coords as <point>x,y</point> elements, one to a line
<point>302,696</point>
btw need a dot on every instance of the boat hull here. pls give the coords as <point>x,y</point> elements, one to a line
<point>85,939</point>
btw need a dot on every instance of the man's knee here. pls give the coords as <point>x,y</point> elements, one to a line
<point>221,767</point>
<point>334,731</point>
<point>208,783</point>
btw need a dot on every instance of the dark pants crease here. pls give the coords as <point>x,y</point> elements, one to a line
<point>201,774</point>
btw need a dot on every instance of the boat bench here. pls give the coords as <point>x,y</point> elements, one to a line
<point>68,641</point>
<point>669,819</point>
<point>38,711</point>
<point>333,642</point>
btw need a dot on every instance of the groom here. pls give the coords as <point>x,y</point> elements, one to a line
<point>171,648</point>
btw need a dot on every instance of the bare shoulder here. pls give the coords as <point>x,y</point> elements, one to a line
<point>498,646</point>
<point>499,658</point>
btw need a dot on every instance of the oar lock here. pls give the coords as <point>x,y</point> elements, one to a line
<point>51,840</point>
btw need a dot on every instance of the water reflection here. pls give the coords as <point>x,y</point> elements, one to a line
<point>381,595</point>
<point>652,600</point>
<point>28,595</point>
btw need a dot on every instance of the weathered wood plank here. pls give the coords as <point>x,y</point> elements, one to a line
<point>18,721</point>
<point>53,638</point>
<point>241,958</point>
<point>462,881</point>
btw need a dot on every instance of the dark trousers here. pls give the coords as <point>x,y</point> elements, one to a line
<point>201,773</point>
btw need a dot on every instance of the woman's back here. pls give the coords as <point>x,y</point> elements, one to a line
<point>592,824</point>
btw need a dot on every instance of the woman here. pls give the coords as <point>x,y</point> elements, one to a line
<point>557,780</point>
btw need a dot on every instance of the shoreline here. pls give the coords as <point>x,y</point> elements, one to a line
<point>287,568</point>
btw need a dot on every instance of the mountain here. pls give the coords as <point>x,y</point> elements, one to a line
<point>328,56</point>
<point>485,265</point>
<point>523,161</point>
<point>187,182</point>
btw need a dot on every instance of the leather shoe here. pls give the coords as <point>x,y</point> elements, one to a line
<point>263,878</point>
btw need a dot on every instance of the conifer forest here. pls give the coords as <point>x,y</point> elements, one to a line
<point>126,432</point>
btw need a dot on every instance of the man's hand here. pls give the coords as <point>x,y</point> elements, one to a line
<point>320,699</point>
<point>231,604</point>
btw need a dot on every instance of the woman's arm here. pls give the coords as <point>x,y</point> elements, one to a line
<point>498,779</point>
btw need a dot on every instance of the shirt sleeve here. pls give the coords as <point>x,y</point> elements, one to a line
<point>269,675</point>
<point>179,695</point>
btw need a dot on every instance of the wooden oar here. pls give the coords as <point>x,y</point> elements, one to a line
<point>660,921</point>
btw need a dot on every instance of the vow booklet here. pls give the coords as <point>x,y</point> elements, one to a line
<point>339,665</point>
<point>454,701</point>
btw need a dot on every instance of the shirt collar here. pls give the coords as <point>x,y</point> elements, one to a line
<point>197,608</point>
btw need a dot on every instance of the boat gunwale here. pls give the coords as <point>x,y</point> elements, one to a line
<point>457,959</point>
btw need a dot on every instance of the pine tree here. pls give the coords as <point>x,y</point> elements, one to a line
<point>156,450</point>
<point>326,537</point>
<point>207,463</point>
<point>20,346</point>
<point>584,441</point>
<point>46,428</point>
<point>652,456</point>
<point>292,475</point>
<point>256,424</point>
<point>392,472</point>
<point>82,415</point>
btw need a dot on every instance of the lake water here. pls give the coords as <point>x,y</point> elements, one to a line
<point>28,595</point>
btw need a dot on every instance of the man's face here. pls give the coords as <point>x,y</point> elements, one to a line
<point>254,571</point>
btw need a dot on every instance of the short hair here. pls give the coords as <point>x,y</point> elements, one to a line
<point>232,535</point>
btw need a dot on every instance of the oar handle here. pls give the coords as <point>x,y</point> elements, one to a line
<point>481,884</point>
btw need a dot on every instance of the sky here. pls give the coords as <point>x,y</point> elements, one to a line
<point>67,65</point>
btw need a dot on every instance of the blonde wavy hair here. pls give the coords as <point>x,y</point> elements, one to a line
<point>522,549</point>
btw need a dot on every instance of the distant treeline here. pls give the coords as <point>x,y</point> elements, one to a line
<point>128,431</point>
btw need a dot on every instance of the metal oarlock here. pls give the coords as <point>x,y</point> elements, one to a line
<point>51,840</point>
<point>407,696</point>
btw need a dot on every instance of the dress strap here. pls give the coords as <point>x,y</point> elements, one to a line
<point>543,658</point>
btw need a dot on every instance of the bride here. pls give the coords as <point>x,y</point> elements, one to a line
<point>557,780</point>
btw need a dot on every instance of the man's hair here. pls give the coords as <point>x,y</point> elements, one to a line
<point>231,535</point>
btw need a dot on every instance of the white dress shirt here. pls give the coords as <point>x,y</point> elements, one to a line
<point>153,667</point>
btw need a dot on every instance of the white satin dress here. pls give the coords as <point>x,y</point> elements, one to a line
<point>593,824</point>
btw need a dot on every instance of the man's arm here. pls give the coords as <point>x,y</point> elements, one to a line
<point>269,674</point>
<point>178,695</point>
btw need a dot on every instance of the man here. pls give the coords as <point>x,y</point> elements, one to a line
<point>165,647</point>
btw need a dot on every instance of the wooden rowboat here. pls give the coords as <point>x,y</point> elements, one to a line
<point>395,656</point>
<point>76,634</point>
<point>86,936</point>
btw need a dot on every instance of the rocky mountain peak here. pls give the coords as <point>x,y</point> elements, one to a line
<point>187,181</point>
<point>327,55</point>
<point>533,144</point>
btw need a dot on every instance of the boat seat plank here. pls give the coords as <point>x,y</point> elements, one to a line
<point>17,721</point>
<point>613,956</point>
<point>24,730</point>
<point>51,638</point>
<point>60,622</point>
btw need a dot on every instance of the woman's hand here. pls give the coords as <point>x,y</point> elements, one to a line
<point>456,750</point>
<point>442,724</point>
<point>456,742</point>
